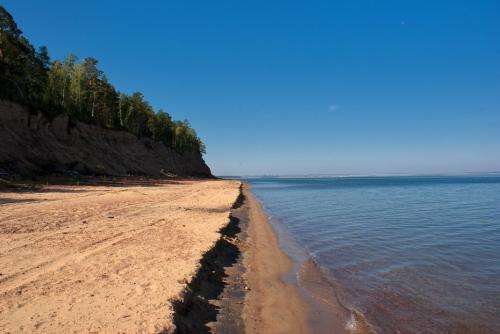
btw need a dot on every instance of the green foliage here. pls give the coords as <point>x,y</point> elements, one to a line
<point>81,91</point>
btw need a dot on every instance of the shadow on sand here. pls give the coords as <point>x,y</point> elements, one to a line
<point>195,311</point>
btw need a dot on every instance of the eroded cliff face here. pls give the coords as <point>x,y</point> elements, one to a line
<point>31,144</point>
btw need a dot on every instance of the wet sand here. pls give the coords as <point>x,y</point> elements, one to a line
<point>292,294</point>
<point>272,305</point>
<point>242,288</point>
<point>330,308</point>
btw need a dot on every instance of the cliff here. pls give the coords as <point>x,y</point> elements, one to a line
<point>32,144</point>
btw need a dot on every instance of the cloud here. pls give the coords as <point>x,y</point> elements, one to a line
<point>333,107</point>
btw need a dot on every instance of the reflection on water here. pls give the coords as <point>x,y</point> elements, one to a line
<point>413,254</point>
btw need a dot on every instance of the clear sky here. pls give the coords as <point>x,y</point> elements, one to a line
<point>289,87</point>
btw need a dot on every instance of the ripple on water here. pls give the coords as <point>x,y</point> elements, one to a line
<point>411,254</point>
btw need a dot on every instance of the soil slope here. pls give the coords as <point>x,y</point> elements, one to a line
<point>31,144</point>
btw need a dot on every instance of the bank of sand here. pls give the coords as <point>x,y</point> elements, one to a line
<point>118,257</point>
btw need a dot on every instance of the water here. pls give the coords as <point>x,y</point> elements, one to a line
<point>412,254</point>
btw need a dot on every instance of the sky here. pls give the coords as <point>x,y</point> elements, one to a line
<point>301,87</point>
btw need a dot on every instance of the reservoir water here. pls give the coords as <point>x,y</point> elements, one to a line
<point>412,254</point>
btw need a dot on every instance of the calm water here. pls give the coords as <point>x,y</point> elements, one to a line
<point>413,254</point>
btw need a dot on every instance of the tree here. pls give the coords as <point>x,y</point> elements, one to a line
<point>67,68</point>
<point>13,54</point>
<point>77,92</point>
<point>43,57</point>
<point>81,91</point>
<point>7,23</point>
<point>23,71</point>
<point>107,103</point>
<point>160,126</point>
<point>92,79</point>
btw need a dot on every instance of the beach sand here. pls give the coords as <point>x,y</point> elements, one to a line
<point>138,256</point>
<point>272,305</point>
<point>105,258</point>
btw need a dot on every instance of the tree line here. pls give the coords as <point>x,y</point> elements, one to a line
<point>80,90</point>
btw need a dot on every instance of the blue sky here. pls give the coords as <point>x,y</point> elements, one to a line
<point>289,87</point>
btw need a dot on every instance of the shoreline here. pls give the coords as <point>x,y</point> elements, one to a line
<point>158,255</point>
<point>231,276</point>
<point>319,305</point>
<point>271,304</point>
<point>240,285</point>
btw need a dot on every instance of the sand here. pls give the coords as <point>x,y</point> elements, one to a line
<point>272,305</point>
<point>143,257</point>
<point>109,258</point>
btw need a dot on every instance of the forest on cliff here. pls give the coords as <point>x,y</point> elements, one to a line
<point>80,90</point>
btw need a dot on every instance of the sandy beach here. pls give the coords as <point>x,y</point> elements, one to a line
<point>104,258</point>
<point>142,257</point>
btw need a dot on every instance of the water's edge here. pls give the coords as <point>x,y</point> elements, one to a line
<point>410,254</point>
<point>330,309</point>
